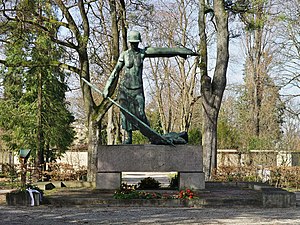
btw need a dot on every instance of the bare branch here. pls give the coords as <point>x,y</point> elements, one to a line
<point>34,64</point>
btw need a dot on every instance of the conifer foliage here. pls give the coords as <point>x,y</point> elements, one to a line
<point>33,107</point>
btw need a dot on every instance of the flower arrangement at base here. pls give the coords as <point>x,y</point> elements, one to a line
<point>186,194</point>
<point>125,193</point>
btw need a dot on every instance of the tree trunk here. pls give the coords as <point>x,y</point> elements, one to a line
<point>212,90</point>
<point>40,136</point>
<point>93,132</point>
<point>93,143</point>
<point>209,140</point>
<point>114,58</point>
<point>110,127</point>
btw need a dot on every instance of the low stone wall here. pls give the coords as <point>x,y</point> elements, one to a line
<point>272,197</point>
<point>187,160</point>
<point>268,196</point>
<point>232,157</point>
<point>22,199</point>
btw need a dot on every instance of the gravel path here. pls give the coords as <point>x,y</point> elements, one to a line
<point>47,215</point>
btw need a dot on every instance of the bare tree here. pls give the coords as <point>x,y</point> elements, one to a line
<point>212,89</point>
<point>288,61</point>
<point>260,117</point>
<point>174,80</point>
<point>115,33</point>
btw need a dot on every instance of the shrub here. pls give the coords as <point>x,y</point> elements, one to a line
<point>174,182</point>
<point>195,136</point>
<point>64,172</point>
<point>149,183</point>
<point>279,176</point>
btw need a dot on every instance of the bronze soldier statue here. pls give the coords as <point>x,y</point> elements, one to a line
<point>131,92</point>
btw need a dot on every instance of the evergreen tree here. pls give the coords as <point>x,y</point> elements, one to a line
<point>270,114</point>
<point>33,110</point>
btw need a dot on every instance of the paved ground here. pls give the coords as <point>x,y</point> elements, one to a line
<point>47,215</point>
<point>93,214</point>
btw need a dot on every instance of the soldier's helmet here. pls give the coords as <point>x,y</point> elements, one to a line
<point>134,36</point>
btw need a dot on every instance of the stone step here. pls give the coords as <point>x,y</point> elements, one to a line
<point>214,196</point>
<point>230,194</point>
<point>199,203</point>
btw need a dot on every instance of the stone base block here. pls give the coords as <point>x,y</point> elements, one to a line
<point>22,199</point>
<point>278,198</point>
<point>108,181</point>
<point>194,180</point>
<point>184,159</point>
<point>149,158</point>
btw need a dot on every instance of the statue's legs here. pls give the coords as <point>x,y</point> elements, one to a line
<point>134,102</point>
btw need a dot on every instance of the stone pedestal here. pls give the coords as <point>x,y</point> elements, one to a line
<point>108,180</point>
<point>112,160</point>
<point>192,180</point>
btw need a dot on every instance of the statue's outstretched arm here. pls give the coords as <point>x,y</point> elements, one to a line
<point>168,52</point>
<point>113,80</point>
